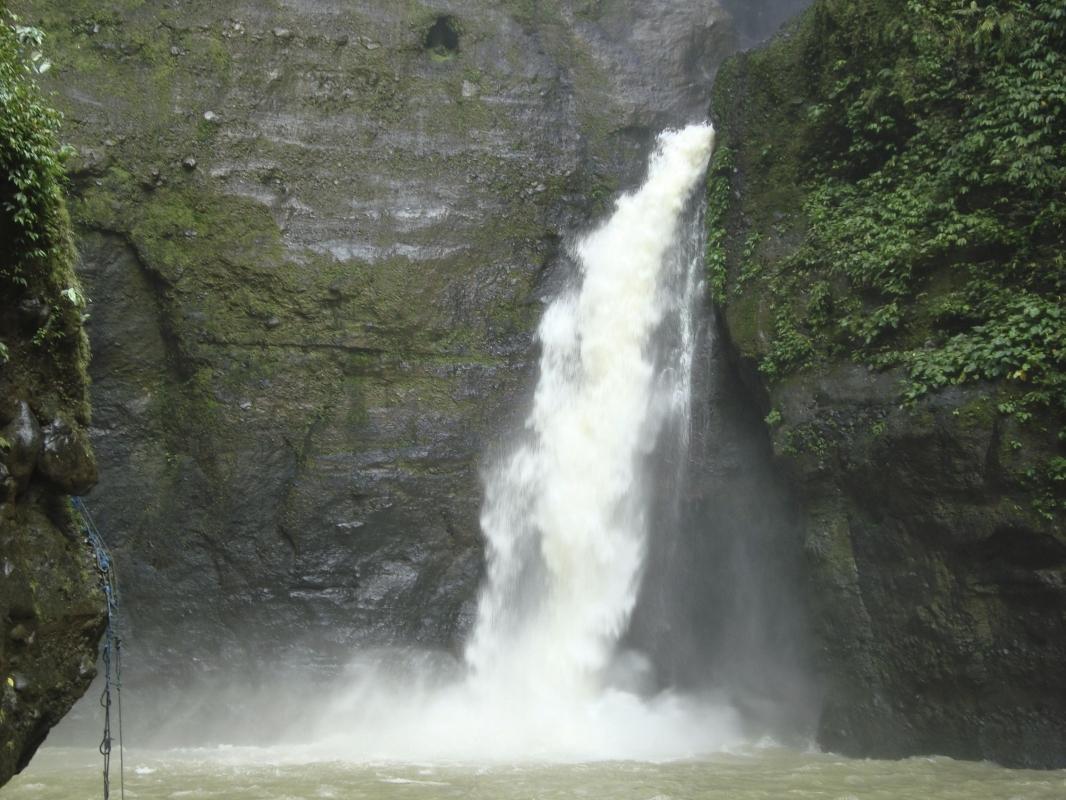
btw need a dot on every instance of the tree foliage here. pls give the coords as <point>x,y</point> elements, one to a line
<point>934,160</point>
<point>37,280</point>
<point>31,159</point>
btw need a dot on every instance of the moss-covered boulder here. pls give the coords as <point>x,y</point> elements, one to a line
<point>51,605</point>
<point>886,247</point>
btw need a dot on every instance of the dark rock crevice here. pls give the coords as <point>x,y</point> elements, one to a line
<point>442,39</point>
<point>724,603</point>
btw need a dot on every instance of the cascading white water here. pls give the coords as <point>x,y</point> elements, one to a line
<point>566,518</point>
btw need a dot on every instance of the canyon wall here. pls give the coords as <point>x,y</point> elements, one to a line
<point>317,238</point>
<point>889,267</point>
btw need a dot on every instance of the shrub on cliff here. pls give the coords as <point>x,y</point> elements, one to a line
<point>42,344</point>
<point>903,165</point>
<point>931,150</point>
<point>938,162</point>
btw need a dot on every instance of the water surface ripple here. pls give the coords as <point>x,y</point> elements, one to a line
<point>756,774</point>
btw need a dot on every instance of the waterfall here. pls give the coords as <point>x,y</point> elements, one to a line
<point>566,520</point>
<point>565,515</point>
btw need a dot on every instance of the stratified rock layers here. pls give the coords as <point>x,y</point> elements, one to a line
<point>317,238</point>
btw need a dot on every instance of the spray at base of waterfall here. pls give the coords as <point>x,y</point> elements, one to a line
<point>567,519</point>
<point>397,709</point>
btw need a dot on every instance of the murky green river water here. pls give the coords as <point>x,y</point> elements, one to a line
<point>61,774</point>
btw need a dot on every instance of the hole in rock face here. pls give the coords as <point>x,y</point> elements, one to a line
<point>443,38</point>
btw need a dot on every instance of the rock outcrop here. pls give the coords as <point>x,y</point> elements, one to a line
<point>51,605</point>
<point>931,488</point>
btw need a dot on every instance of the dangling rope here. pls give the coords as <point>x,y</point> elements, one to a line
<point>112,646</point>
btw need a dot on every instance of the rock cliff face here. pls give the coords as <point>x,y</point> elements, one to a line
<point>933,526</point>
<point>51,605</point>
<point>317,237</point>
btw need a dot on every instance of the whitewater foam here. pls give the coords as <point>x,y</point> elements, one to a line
<point>566,523</point>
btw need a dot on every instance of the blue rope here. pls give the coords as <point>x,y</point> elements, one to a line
<point>112,646</point>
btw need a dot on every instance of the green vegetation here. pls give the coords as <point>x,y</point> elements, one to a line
<point>29,128</point>
<point>30,159</point>
<point>43,349</point>
<point>718,191</point>
<point>924,221</point>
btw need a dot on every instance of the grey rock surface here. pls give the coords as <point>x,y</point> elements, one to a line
<point>23,434</point>
<point>318,238</point>
<point>67,458</point>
